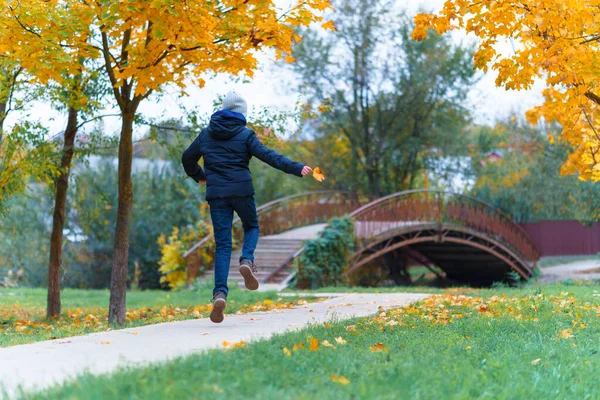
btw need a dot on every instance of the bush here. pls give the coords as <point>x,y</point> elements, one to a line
<point>325,259</point>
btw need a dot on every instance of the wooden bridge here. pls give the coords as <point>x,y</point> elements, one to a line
<point>471,241</point>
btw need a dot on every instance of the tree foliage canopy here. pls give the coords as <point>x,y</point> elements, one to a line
<point>558,41</point>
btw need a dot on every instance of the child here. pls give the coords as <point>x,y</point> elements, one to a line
<point>227,147</point>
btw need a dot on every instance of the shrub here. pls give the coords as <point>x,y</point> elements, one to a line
<point>325,259</point>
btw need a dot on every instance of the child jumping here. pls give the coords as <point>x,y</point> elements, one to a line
<point>227,147</point>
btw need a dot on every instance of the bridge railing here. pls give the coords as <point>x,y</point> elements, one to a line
<point>282,215</point>
<point>429,206</point>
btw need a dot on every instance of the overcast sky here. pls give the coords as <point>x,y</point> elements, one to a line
<point>267,89</point>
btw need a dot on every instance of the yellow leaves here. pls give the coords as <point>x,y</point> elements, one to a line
<point>234,345</point>
<point>329,25</point>
<point>536,361</point>
<point>340,340</point>
<point>314,344</point>
<point>340,379</point>
<point>566,334</point>
<point>546,51</point>
<point>318,175</point>
<point>289,59</point>
<point>378,347</point>
<point>287,352</point>
<point>104,342</point>
<point>326,343</point>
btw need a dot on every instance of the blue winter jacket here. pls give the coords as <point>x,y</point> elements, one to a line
<point>227,147</point>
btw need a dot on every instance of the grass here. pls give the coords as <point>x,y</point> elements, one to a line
<point>533,342</point>
<point>22,310</point>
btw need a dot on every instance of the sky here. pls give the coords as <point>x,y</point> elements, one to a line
<point>487,102</point>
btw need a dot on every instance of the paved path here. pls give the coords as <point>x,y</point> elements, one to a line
<point>579,270</point>
<point>38,365</point>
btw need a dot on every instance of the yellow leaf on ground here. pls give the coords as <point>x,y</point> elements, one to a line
<point>287,352</point>
<point>104,342</point>
<point>314,344</point>
<point>536,361</point>
<point>318,175</point>
<point>378,347</point>
<point>340,379</point>
<point>566,333</point>
<point>340,340</point>
<point>327,344</point>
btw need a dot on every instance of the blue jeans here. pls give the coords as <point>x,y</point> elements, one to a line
<point>221,213</point>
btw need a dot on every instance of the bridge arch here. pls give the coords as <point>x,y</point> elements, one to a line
<point>280,215</point>
<point>458,233</point>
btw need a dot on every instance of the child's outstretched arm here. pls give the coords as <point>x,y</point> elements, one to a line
<point>274,159</point>
<point>190,159</point>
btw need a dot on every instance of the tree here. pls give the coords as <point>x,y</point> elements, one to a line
<point>558,41</point>
<point>393,100</point>
<point>526,181</point>
<point>29,33</point>
<point>146,46</point>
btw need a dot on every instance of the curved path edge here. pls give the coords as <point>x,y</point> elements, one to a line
<point>39,365</point>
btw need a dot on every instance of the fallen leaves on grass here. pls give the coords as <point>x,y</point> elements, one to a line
<point>314,344</point>
<point>326,343</point>
<point>287,352</point>
<point>19,321</point>
<point>566,334</point>
<point>340,340</point>
<point>536,361</point>
<point>340,379</point>
<point>377,347</point>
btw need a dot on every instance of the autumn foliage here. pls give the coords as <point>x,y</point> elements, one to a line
<point>556,40</point>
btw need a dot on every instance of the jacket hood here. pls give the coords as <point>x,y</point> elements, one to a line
<point>226,124</point>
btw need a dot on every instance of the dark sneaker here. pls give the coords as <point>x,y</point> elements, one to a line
<point>219,304</point>
<point>248,269</point>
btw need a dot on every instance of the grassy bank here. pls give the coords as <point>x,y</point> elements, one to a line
<point>22,310</point>
<point>537,342</point>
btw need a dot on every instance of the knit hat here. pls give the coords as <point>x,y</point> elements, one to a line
<point>234,102</point>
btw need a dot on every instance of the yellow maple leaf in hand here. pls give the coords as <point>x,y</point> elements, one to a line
<point>318,175</point>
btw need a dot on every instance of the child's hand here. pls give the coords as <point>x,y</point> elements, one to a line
<point>306,170</point>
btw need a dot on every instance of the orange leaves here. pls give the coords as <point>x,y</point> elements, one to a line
<point>329,25</point>
<point>566,334</point>
<point>318,175</point>
<point>233,345</point>
<point>546,51</point>
<point>340,379</point>
<point>378,347</point>
<point>314,344</point>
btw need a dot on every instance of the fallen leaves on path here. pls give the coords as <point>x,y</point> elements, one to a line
<point>20,321</point>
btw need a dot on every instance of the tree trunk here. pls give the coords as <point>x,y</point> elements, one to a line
<point>58,222</point>
<point>2,119</point>
<point>118,281</point>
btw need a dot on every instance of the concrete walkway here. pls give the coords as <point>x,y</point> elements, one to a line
<point>579,270</point>
<point>39,365</point>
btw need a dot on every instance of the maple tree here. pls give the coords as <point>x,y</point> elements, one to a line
<point>558,41</point>
<point>49,41</point>
<point>147,45</point>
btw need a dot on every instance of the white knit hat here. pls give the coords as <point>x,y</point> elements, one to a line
<point>236,103</point>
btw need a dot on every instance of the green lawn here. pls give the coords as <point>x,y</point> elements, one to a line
<point>528,343</point>
<point>22,310</point>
